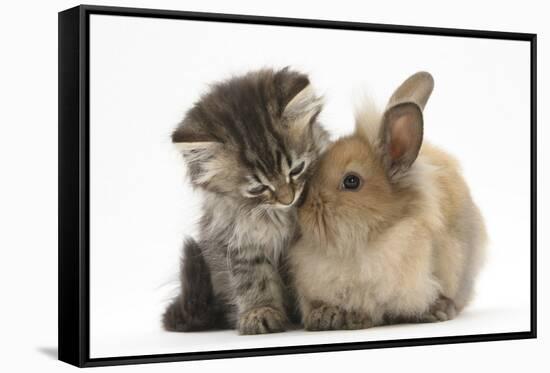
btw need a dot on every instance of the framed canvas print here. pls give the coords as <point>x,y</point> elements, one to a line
<point>234,186</point>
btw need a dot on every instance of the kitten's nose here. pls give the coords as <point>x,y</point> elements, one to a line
<point>285,194</point>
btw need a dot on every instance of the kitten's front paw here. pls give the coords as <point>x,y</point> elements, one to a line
<point>262,320</point>
<point>442,310</point>
<point>327,317</point>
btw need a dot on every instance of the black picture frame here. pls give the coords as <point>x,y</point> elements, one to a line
<point>74,183</point>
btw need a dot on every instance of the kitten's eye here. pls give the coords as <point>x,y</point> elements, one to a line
<point>297,170</point>
<point>257,189</point>
<point>351,182</point>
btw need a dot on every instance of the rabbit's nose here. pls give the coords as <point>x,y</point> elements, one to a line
<point>285,194</point>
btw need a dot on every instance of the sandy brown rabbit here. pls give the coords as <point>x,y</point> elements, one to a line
<point>389,230</point>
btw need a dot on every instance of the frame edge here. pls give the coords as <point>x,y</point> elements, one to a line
<point>305,22</point>
<point>533,97</point>
<point>69,235</point>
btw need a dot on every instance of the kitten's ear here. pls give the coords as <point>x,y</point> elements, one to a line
<point>188,136</point>
<point>402,126</point>
<point>298,103</point>
<point>303,108</point>
<point>195,145</point>
<point>203,155</point>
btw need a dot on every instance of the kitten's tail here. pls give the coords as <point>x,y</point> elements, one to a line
<point>195,308</point>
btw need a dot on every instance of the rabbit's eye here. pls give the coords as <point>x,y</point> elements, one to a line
<point>351,182</point>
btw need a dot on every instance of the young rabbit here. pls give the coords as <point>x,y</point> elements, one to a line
<point>389,230</point>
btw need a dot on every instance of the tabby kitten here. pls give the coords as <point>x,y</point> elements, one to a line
<point>249,144</point>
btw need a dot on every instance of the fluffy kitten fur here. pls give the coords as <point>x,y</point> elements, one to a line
<point>406,245</point>
<point>250,144</point>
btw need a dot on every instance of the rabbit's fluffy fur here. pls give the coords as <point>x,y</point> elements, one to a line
<point>407,245</point>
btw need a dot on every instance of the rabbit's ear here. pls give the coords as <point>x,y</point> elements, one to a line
<point>402,123</point>
<point>416,89</point>
<point>401,134</point>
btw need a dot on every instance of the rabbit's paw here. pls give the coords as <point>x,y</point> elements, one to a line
<point>442,310</point>
<point>356,320</point>
<point>262,320</point>
<point>325,317</point>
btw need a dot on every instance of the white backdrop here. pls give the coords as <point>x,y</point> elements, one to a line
<point>28,161</point>
<point>145,73</point>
